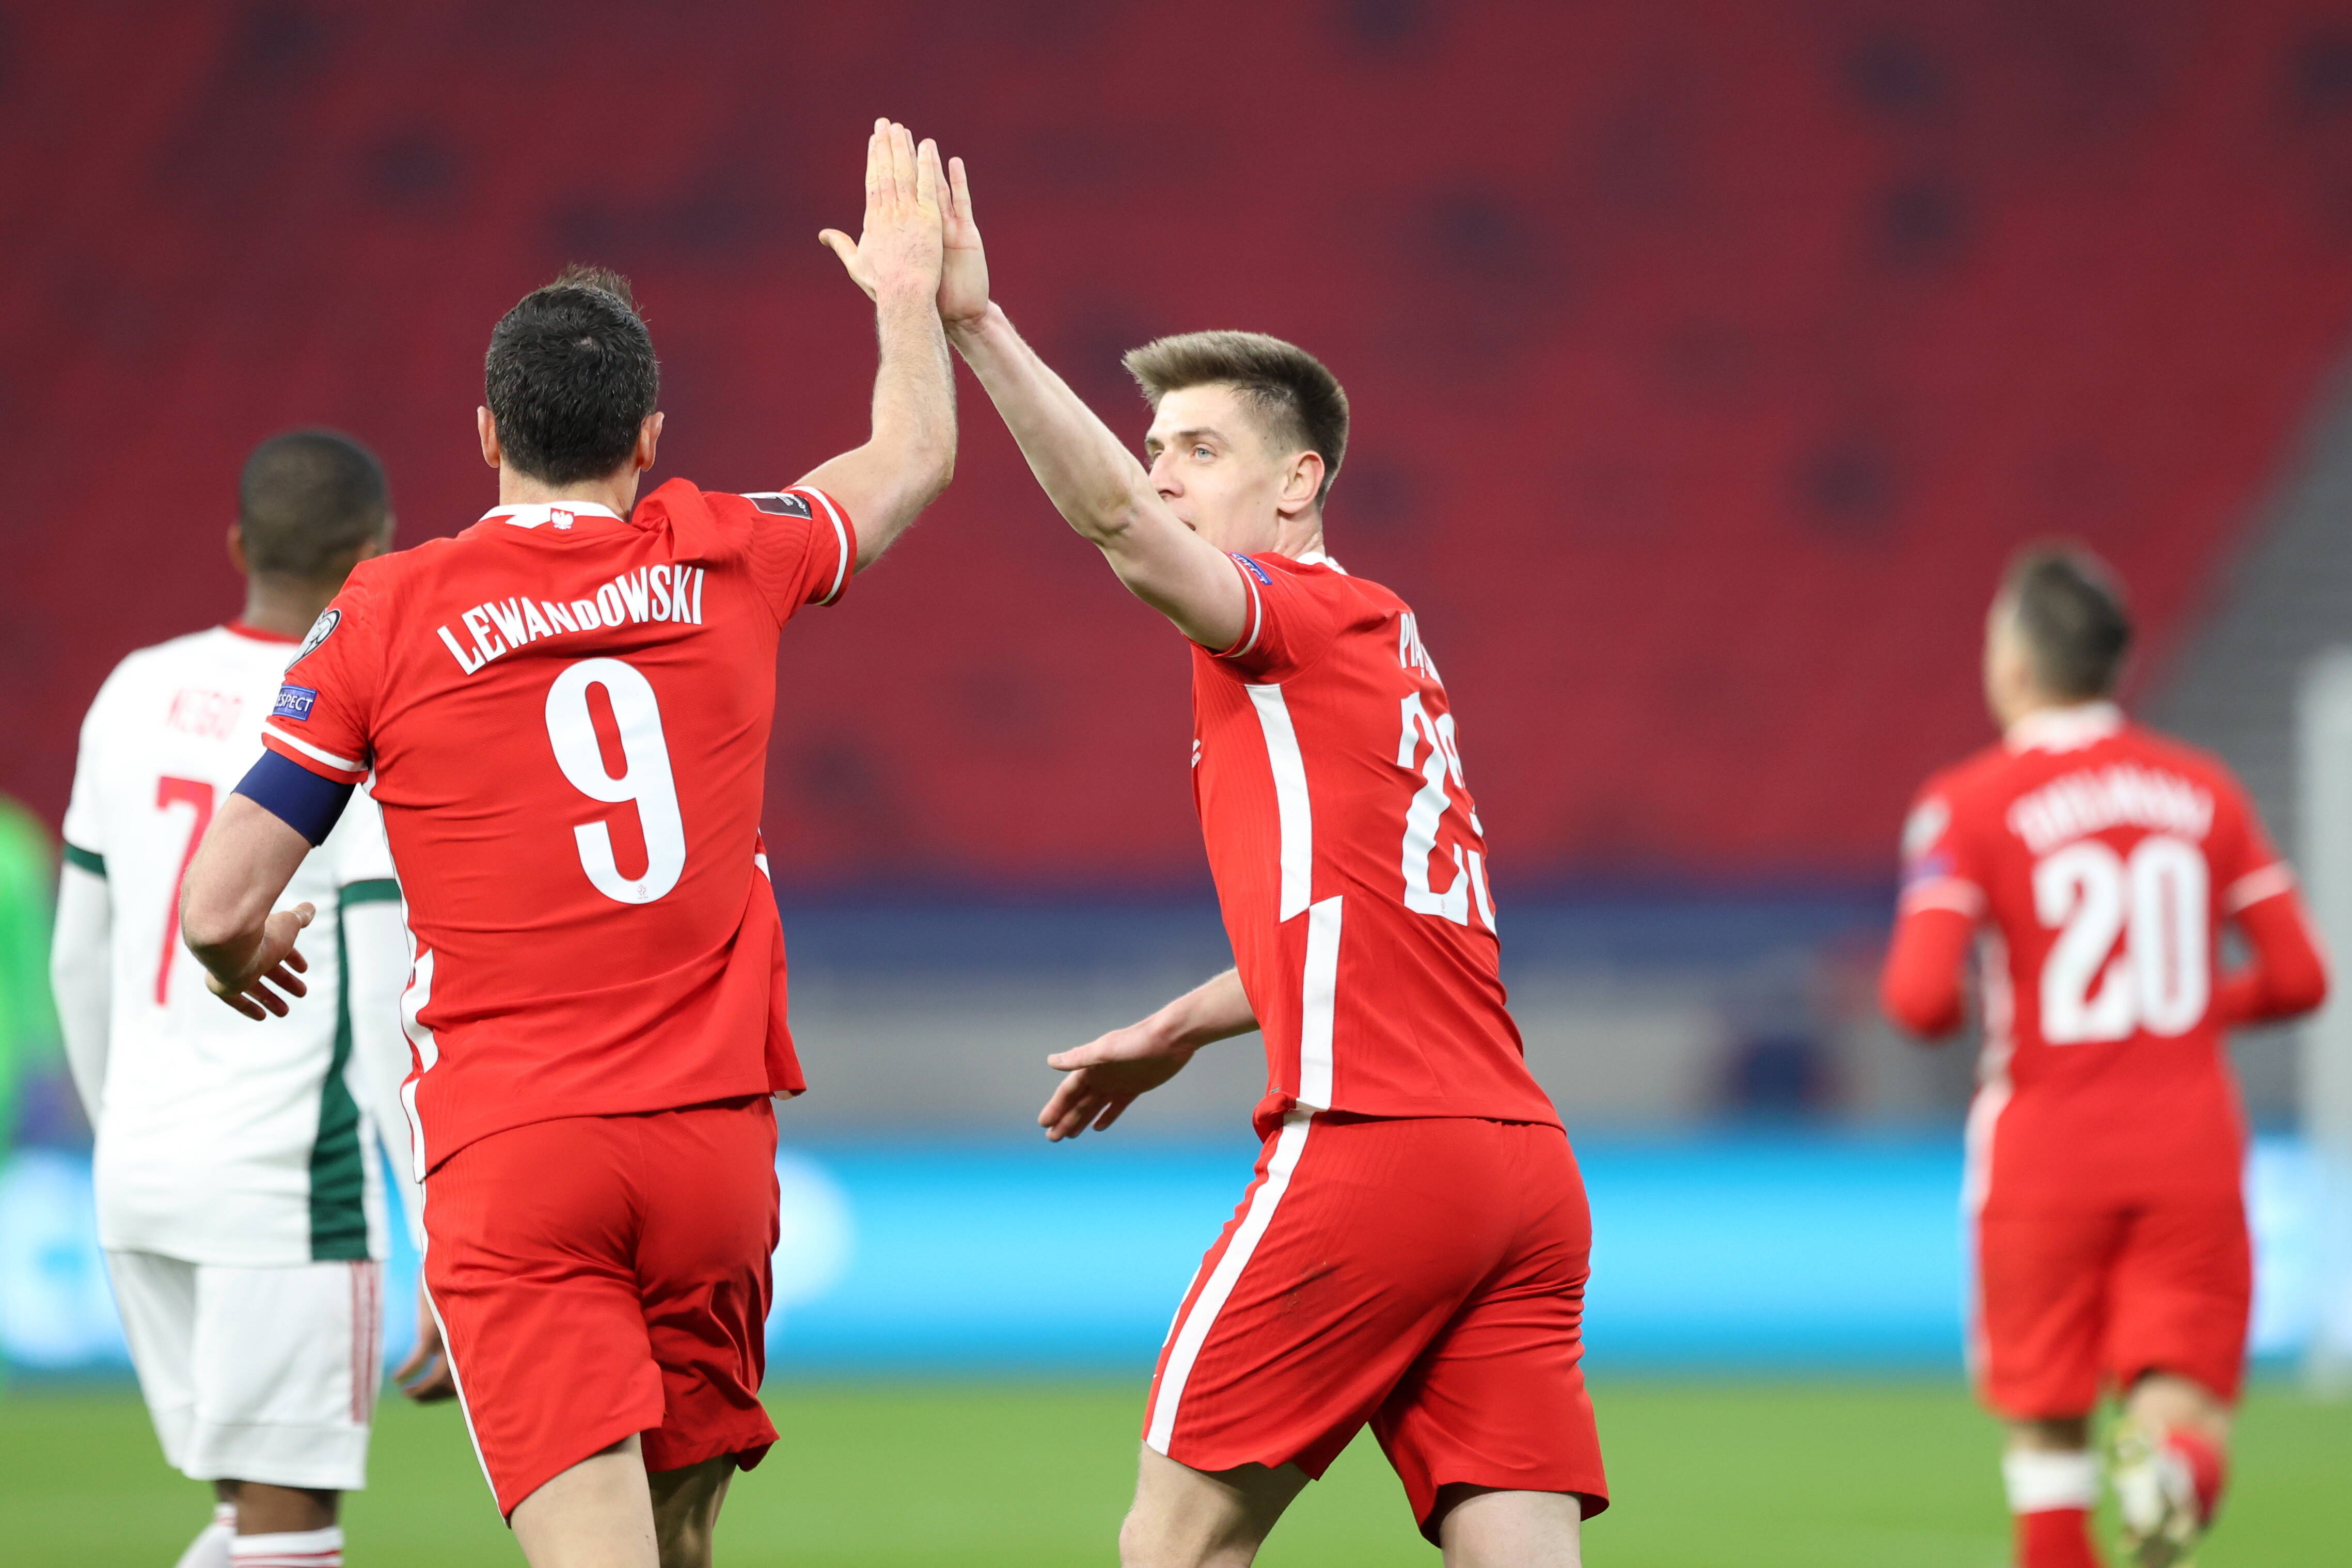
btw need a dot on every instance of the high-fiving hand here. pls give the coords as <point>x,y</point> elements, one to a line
<point>899,250</point>
<point>963,276</point>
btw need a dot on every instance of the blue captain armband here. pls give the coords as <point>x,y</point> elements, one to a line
<point>296,796</point>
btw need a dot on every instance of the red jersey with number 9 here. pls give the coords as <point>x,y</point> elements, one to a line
<point>2099,861</point>
<point>1350,863</point>
<point>566,712</point>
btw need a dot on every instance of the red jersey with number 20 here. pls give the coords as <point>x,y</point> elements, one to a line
<point>1349,863</point>
<point>566,712</point>
<point>2099,861</point>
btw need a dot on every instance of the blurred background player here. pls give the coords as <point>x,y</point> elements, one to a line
<point>567,708</point>
<point>1415,1249</point>
<point>2100,862</point>
<point>239,1188</point>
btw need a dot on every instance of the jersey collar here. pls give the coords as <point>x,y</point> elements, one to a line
<point>1317,557</point>
<point>2064,728</point>
<point>537,513</point>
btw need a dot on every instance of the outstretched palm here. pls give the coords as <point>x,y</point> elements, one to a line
<point>963,274</point>
<point>901,241</point>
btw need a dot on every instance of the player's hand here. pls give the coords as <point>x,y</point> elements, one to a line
<point>901,246</point>
<point>963,273</point>
<point>274,963</point>
<point>425,1376</point>
<point>1105,1074</point>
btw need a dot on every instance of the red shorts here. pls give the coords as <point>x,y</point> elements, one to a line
<point>600,1276</point>
<point>2070,1300</point>
<point>1424,1275</point>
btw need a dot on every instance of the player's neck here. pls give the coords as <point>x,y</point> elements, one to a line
<point>283,609</point>
<point>617,492</point>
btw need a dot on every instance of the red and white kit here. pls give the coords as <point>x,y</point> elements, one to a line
<point>567,714</point>
<point>2096,863</point>
<point>1414,1251</point>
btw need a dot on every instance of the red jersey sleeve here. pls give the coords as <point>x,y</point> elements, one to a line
<point>804,545</point>
<point>1942,866</point>
<point>1943,898</point>
<point>1291,621</point>
<point>325,710</point>
<point>2286,972</point>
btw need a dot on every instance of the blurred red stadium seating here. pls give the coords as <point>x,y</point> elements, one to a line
<point>1706,359</point>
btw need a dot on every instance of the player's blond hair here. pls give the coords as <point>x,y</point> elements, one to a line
<point>1300,403</point>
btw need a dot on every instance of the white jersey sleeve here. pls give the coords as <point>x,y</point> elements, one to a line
<point>80,943</point>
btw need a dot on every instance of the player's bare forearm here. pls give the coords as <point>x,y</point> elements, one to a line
<point>226,907</point>
<point>1217,1009</point>
<point>910,457</point>
<point>1092,479</point>
<point>1096,482</point>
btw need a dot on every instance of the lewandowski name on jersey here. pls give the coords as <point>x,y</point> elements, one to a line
<point>566,715</point>
<point>657,592</point>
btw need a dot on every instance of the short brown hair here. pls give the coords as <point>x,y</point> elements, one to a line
<point>1300,403</point>
<point>2070,609</point>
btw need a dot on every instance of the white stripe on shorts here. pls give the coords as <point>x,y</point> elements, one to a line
<point>1192,1331</point>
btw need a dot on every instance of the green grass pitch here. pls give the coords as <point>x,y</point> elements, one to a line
<point>1706,1474</point>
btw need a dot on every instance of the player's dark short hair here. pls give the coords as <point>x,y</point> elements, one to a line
<point>569,377</point>
<point>306,502</point>
<point>1300,404</point>
<point>2069,606</point>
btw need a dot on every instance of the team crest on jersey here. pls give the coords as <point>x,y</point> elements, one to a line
<point>321,630</point>
<point>294,701</point>
<point>778,502</point>
<point>1255,569</point>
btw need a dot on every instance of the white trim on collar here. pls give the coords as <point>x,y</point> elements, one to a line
<point>1317,557</point>
<point>2064,728</point>
<point>534,514</point>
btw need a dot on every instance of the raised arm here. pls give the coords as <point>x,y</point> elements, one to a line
<point>1092,479</point>
<point>911,455</point>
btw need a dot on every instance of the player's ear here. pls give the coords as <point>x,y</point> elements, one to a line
<point>236,550</point>
<point>487,429</point>
<point>648,438</point>
<point>1301,481</point>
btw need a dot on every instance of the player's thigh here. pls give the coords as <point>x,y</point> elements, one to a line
<point>1350,1251</point>
<point>708,1191</point>
<point>2042,1296</point>
<point>1497,1400</point>
<point>156,1298</point>
<point>532,1272</point>
<point>288,1361</point>
<point>2183,1294</point>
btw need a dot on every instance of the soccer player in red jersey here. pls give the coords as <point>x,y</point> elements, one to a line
<point>2095,864</point>
<point>1413,1251</point>
<point>565,710</point>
